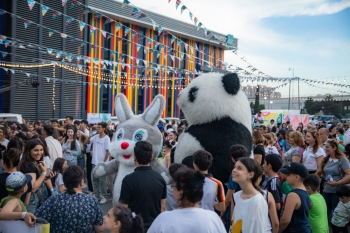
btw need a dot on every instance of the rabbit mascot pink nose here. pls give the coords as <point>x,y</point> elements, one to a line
<point>131,129</point>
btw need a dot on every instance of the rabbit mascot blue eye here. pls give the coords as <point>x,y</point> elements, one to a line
<point>218,116</point>
<point>131,129</point>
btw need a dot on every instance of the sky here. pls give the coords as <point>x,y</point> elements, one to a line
<point>310,36</point>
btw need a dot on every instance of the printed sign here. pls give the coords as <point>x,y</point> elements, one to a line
<point>94,118</point>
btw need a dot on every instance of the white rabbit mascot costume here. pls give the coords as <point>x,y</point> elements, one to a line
<point>131,129</point>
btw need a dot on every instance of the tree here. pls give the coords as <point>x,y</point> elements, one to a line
<point>257,103</point>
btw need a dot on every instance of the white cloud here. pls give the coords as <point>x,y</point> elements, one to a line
<point>270,51</point>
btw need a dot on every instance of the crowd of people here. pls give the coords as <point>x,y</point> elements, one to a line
<point>296,180</point>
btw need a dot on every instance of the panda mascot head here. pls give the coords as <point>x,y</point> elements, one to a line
<point>218,116</point>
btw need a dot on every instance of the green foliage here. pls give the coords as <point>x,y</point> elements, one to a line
<point>329,106</point>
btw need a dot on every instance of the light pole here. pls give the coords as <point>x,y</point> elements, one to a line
<point>290,87</point>
<point>271,102</point>
<point>265,101</point>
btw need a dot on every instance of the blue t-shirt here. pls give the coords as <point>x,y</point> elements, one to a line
<point>233,185</point>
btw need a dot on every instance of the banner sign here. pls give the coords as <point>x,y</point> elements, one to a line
<point>94,118</point>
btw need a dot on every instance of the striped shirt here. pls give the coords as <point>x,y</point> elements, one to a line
<point>213,191</point>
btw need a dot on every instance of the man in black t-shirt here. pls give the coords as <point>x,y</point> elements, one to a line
<point>144,190</point>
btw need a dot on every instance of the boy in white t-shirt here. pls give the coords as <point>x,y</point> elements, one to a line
<point>100,153</point>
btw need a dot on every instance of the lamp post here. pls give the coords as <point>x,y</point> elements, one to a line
<point>265,101</point>
<point>290,69</point>
<point>271,102</point>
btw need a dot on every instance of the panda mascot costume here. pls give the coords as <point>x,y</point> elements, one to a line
<point>218,116</point>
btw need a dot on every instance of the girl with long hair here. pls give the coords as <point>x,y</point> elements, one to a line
<point>70,146</point>
<point>314,154</point>
<point>259,149</point>
<point>269,147</point>
<point>295,153</point>
<point>250,211</point>
<point>120,219</point>
<point>59,167</point>
<point>32,163</point>
<point>335,170</point>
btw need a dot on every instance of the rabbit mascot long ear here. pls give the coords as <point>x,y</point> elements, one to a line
<point>131,129</point>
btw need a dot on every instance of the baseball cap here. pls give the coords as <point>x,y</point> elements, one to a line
<point>295,168</point>
<point>160,126</point>
<point>17,180</point>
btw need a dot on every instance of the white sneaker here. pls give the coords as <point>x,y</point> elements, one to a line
<point>103,200</point>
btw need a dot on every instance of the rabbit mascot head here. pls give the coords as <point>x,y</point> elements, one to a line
<point>131,129</point>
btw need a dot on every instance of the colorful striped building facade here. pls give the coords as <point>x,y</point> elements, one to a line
<point>137,54</point>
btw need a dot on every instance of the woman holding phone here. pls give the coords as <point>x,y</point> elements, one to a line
<point>71,146</point>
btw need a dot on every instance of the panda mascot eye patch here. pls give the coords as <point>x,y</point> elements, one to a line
<point>192,94</point>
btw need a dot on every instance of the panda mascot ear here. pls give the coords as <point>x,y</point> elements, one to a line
<point>231,83</point>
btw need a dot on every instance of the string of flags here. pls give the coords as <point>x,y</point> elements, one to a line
<point>99,85</point>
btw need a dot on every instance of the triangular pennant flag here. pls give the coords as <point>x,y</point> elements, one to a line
<point>48,79</point>
<point>173,38</point>
<point>156,45</point>
<point>162,48</point>
<point>125,2</point>
<point>103,33</point>
<point>3,54</point>
<point>28,75</point>
<point>6,69</point>
<point>145,49</point>
<point>133,35</point>
<point>119,25</point>
<point>26,23</point>
<point>137,61</point>
<point>81,25</point>
<point>142,15</point>
<point>51,32</point>
<point>186,46</point>
<point>191,49</point>
<point>172,57</point>
<point>64,2</point>
<point>98,15</point>
<point>191,15</point>
<point>177,3</point>
<point>196,46</point>
<point>150,41</point>
<point>92,30</point>
<point>182,9</point>
<point>199,26</point>
<point>12,71</point>
<point>138,46</point>
<point>87,10</point>
<point>108,20</point>
<point>126,31</point>
<point>63,35</point>
<point>158,54</point>
<point>154,24</point>
<point>56,14</point>
<point>145,62</point>
<point>160,29</point>
<point>195,20</point>
<point>44,9</point>
<point>69,20</point>
<point>31,4</point>
<point>2,12</point>
<point>105,85</point>
<point>135,11</point>
<point>49,51</point>
<point>74,4</point>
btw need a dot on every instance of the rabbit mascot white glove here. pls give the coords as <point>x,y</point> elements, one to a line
<point>133,128</point>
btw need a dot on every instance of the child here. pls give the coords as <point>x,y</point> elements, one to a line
<point>285,188</point>
<point>59,166</point>
<point>121,220</point>
<point>12,207</point>
<point>318,212</point>
<point>250,213</point>
<point>271,166</point>
<point>175,168</point>
<point>213,190</point>
<point>341,213</point>
<point>295,218</point>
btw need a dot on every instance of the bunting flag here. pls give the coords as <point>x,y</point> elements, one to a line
<point>195,20</point>
<point>103,33</point>
<point>133,35</point>
<point>126,32</point>
<point>191,15</point>
<point>108,20</point>
<point>87,10</point>
<point>63,35</point>
<point>64,2</point>
<point>81,25</point>
<point>26,23</point>
<point>156,45</point>
<point>92,30</point>
<point>199,26</point>
<point>2,12</point>
<point>31,4</point>
<point>125,2</point>
<point>135,11</point>
<point>51,32</point>
<point>44,9</point>
<point>173,38</point>
<point>98,15</point>
<point>142,15</point>
<point>3,54</point>
<point>182,9</point>
<point>172,57</point>
<point>177,3</point>
<point>74,4</point>
<point>154,24</point>
<point>150,41</point>
<point>49,51</point>
<point>12,71</point>
<point>69,20</point>
<point>56,14</point>
<point>169,1</point>
<point>118,27</point>
<point>160,30</point>
<point>186,46</point>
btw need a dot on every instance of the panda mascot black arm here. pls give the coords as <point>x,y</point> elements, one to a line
<point>218,114</point>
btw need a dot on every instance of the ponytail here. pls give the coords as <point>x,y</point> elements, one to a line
<point>137,224</point>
